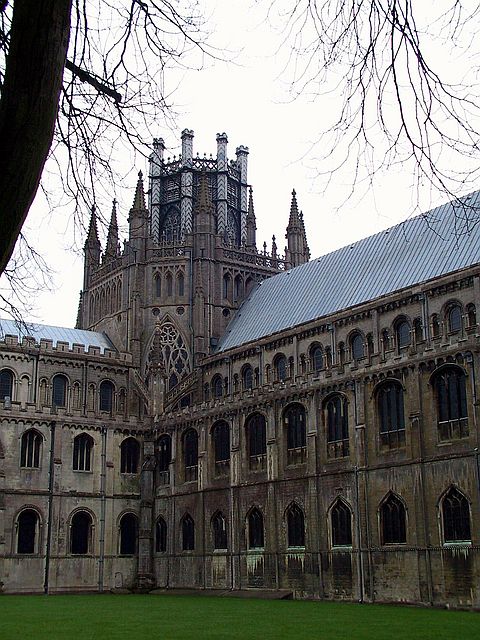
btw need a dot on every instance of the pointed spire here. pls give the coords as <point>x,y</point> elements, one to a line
<point>92,235</point>
<point>274,247</point>
<point>297,251</point>
<point>112,250</point>
<point>294,220</point>
<point>139,199</point>
<point>251,222</point>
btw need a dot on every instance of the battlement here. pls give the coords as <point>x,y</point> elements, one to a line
<point>48,339</point>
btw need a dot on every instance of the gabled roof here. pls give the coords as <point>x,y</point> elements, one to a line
<point>56,334</point>
<point>441,241</point>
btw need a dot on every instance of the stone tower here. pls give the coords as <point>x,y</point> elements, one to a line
<point>188,262</point>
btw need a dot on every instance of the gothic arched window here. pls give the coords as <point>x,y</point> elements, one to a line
<point>129,455</point>
<point>30,449</point>
<point>316,357</point>
<point>6,384</point>
<point>393,521</point>
<point>157,285</point>
<point>402,331</point>
<point>217,386</point>
<point>28,531</point>
<point>106,396</point>
<point>128,534</point>
<point>237,288</point>
<point>256,429</point>
<point>164,452</point>
<point>161,535</point>
<point>294,418</point>
<point>256,533</point>
<point>81,533</point>
<point>190,454</point>
<point>471,315</point>
<point>280,365</point>
<point>59,391</point>
<point>221,446</point>
<point>336,418</point>
<point>82,452</point>
<point>172,226</point>
<point>227,287</point>
<point>454,319</point>
<point>357,346</point>
<point>247,377</point>
<point>219,531</point>
<point>169,283</point>
<point>456,517</point>
<point>188,533</point>
<point>180,284</point>
<point>295,526</point>
<point>451,396</point>
<point>341,523</point>
<point>391,414</point>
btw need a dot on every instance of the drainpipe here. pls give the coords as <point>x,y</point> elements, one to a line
<point>103,478</point>
<point>51,477</point>
<point>359,539</point>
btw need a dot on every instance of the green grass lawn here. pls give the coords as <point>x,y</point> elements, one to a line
<point>132,617</point>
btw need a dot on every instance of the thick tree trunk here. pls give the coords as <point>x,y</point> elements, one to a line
<point>28,107</point>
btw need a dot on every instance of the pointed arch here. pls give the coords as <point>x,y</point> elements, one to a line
<point>393,520</point>
<point>180,284</point>
<point>295,525</point>
<point>168,348</point>
<point>188,533</point>
<point>340,515</point>
<point>160,535</point>
<point>455,516</point>
<point>219,531</point>
<point>255,527</point>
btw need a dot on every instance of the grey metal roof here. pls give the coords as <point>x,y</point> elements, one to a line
<point>56,334</point>
<point>441,241</point>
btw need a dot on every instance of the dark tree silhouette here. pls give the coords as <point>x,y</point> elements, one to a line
<point>383,63</point>
<point>78,78</point>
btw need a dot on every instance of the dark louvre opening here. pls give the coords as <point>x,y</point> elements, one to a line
<point>296,526</point>
<point>27,531</point>
<point>255,530</point>
<point>128,535</point>
<point>456,517</point>
<point>341,525</point>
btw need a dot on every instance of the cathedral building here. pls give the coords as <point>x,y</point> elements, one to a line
<point>227,417</point>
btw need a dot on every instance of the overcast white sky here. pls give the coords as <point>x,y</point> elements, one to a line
<point>249,101</point>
